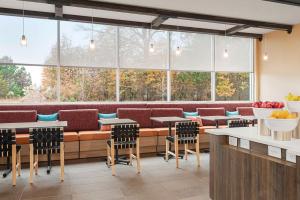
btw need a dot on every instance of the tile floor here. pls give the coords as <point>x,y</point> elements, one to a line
<point>91,179</point>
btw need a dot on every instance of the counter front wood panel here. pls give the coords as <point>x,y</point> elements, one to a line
<point>239,174</point>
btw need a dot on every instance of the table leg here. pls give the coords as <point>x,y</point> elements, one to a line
<point>217,123</point>
<point>8,167</point>
<point>49,162</point>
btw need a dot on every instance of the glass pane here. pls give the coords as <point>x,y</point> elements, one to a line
<point>142,85</point>
<point>41,37</point>
<point>143,48</point>
<point>239,54</point>
<point>27,84</point>
<point>87,84</point>
<point>75,45</point>
<point>233,86</point>
<point>191,51</point>
<point>191,86</point>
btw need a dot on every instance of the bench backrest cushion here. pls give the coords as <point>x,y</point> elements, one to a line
<point>140,115</point>
<point>80,119</point>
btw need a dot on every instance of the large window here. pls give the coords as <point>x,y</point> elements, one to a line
<point>143,85</point>
<point>143,48</point>
<point>41,35</point>
<point>74,45</point>
<point>191,86</point>
<point>27,84</point>
<point>232,86</point>
<point>87,84</point>
<point>127,64</point>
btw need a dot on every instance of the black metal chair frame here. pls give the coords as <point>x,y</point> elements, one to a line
<point>124,136</point>
<point>46,141</point>
<point>185,133</point>
<point>9,149</point>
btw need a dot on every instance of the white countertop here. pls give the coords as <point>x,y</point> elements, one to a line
<point>251,134</point>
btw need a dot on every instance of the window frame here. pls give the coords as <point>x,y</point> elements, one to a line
<point>168,70</point>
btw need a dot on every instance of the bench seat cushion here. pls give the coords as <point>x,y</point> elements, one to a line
<point>94,135</point>
<point>23,138</point>
<point>148,132</point>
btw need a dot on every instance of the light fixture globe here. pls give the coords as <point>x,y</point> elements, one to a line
<point>151,48</point>
<point>266,56</point>
<point>23,40</point>
<point>178,51</point>
<point>225,54</point>
<point>92,45</point>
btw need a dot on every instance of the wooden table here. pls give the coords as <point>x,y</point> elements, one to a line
<point>170,121</point>
<point>26,125</point>
<point>216,119</point>
<point>117,121</point>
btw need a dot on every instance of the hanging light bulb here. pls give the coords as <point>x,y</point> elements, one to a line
<point>225,54</point>
<point>23,40</point>
<point>151,48</point>
<point>266,56</point>
<point>92,42</point>
<point>178,51</point>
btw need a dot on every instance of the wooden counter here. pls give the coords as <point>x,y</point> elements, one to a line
<point>246,166</point>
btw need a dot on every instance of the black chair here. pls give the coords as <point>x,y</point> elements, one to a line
<point>125,136</point>
<point>9,149</point>
<point>185,133</point>
<point>46,141</point>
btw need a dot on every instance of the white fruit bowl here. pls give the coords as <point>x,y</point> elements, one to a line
<point>263,113</point>
<point>283,125</point>
<point>293,106</point>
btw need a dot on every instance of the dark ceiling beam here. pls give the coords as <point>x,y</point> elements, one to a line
<point>236,29</point>
<point>171,13</point>
<point>288,2</point>
<point>158,21</point>
<point>97,20</point>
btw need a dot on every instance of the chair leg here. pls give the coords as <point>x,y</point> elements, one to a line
<point>112,153</point>
<point>31,163</point>
<point>14,163</point>
<point>176,152</point>
<point>198,150</point>
<point>138,155</point>
<point>62,161</point>
<point>108,155</point>
<point>167,150</point>
<point>185,151</point>
<point>19,163</point>
<point>36,162</point>
<point>130,156</point>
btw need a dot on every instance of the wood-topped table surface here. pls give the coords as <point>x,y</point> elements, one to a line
<point>169,119</point>
<point>116,121</point>
<point>24,125</point>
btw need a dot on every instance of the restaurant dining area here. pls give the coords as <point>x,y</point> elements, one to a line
<point>138,100</point>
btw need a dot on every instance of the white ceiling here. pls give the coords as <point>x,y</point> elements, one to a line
<point>245,9</point>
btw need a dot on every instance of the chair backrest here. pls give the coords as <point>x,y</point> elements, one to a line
<point>7,139</point>
<point>125,135</point>
<point>187,129</point>
<point>46,139</point>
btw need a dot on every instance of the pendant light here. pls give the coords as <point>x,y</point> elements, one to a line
<point>225,53</point>
<point>265,56</point>
<point>92,42</point>
<point>178,49</point>
<point>23,40</point>
<point>151,47</point>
